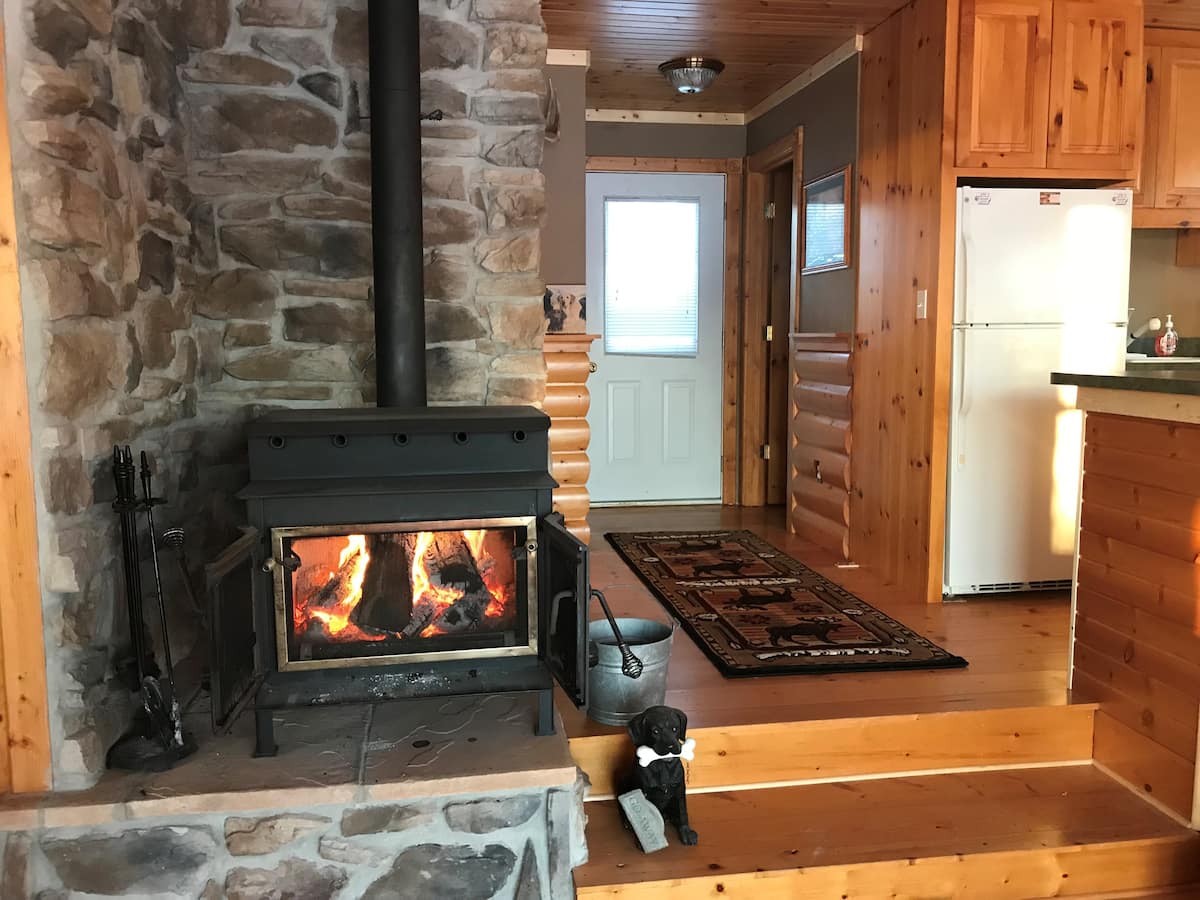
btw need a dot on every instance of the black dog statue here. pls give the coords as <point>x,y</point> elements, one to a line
<point>660,735</point>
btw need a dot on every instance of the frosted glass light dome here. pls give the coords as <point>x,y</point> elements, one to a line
<point>691,74</point>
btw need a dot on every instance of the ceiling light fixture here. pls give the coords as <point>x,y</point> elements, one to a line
<point>691,74</point>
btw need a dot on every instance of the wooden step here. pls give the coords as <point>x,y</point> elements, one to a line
<point>872,746</point>
<point>1184,892</point>
<point>1064,831</point>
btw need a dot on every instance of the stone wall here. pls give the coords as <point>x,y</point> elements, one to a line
<point>520,846</point>
<point>278,110</point>
<point>193,199</point>
<point>106,253</point>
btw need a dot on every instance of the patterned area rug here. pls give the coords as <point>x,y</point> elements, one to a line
<point>756,611</point>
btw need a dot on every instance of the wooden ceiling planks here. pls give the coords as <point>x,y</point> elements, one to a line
<point>763,43</point>
<point>1173,13</point>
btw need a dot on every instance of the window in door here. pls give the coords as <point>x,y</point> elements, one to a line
<point>652,277</point>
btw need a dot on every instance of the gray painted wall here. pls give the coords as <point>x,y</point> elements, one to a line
<point>828,110</point>
<point>671,141</point>
<point>564,165</point>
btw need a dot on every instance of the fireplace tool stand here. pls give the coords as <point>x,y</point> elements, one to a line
<point>157,739</point>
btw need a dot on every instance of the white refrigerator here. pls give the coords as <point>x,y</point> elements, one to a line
<point>1041,285</point>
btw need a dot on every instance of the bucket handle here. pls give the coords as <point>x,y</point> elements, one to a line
<point>631,666</point>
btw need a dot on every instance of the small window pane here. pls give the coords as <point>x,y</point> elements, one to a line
<point>651,277</point>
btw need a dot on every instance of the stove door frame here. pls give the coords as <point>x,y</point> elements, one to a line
<point>281,573</point>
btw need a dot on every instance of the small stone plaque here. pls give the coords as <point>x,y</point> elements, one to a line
<point>646,821</point>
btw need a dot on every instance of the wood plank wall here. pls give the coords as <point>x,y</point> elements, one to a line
<point>1137,621</point>
<point>820,384</point>
<point>900,362</point>
<point>568,366</point>
<point>24,728</point>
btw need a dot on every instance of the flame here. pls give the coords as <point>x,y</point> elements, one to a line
<point>430,599</point>
<point>424,590</point>
<point>337,619</point>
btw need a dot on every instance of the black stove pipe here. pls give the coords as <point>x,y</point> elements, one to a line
<point>396,202</point>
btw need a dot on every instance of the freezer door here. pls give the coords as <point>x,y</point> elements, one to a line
<point>1042,257</point>
<point>1015,453</point>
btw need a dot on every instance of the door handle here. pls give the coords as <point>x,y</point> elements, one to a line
<point>593,368</point>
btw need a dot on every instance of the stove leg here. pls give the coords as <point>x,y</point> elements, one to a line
<point>545,713</point>
<point>264,734</point>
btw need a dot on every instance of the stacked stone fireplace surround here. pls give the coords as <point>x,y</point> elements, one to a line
<point>193,200</point>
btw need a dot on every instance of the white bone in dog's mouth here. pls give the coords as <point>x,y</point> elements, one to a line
<point>647,755</point>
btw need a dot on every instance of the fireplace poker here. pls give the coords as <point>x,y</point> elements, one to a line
<point>149,501</point>
<point>126,506</point>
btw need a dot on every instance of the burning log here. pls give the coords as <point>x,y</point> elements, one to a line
<point>387,596</point>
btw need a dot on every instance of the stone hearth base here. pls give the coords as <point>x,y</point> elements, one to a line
<point>431,798</point>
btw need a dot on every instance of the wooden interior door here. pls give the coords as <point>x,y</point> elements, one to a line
<point>770,294</point>
<point>1177,181</point>
<point>1146,187</point>
<point>783,249</point>
<point>1096,86</point>
<point>1003,83</point>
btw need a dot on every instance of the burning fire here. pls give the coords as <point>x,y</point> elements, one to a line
<point>337,619</point>
<point>325,605</point>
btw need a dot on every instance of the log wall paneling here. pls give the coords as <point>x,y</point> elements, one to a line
<point>901,363</point>
<point>567,401</point>
<point>1137,603</point>
<point>24,723</point>
<point>818,500</point>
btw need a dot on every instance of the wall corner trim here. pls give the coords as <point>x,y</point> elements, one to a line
<point>821,67</point>
<point>581,58</point>
<point>665,117</point>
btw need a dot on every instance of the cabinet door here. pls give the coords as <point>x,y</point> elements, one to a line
<point>1096,87</point>
<point>1003,83</point>
<point>1144,193</point>
<point>1178,175</point>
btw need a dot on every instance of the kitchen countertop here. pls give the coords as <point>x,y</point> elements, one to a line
<point>1152,381</point>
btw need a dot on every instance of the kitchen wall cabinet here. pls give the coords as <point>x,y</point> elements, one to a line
<point>1177,180</point>
<point>1168,191</point>
<point>1004,83</point>
<point>1050,87</point>
<point>1096,85</point>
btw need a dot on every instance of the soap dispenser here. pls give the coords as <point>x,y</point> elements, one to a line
<point>1168,341</point>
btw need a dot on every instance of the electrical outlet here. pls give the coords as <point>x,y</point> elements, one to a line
<point>922,304</point>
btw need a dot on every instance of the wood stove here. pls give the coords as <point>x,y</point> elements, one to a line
<point>410,553</point>
<point>402,551</point>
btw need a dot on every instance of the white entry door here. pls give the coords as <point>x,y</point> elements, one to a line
<point>655,266</point>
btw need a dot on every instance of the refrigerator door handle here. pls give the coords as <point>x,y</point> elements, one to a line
<point>964,287</point>
<point>964,402</point>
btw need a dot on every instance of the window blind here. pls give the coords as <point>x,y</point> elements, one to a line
<point>651,277</point>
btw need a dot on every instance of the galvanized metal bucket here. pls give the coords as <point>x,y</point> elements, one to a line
<point>615,698</point>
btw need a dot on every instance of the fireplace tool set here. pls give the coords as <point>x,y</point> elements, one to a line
<point>157,739</point>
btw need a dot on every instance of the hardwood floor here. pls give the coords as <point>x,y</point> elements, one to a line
<point>1017,645</point>
<point>1060,831</point>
